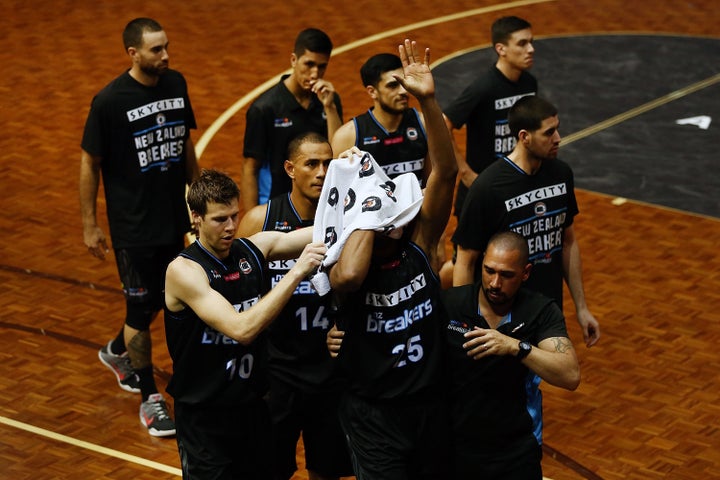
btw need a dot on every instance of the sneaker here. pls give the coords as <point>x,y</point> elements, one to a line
<point>120,366</point>
<point>154,415</point>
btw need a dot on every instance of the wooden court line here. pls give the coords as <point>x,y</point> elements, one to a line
<point>90,446</point>
<point>212,130</point>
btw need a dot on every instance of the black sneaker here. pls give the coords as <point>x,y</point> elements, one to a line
<point>120,366</point>
<point>155,416</point>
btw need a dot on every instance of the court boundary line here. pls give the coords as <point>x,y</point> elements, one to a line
<point>90,446</point>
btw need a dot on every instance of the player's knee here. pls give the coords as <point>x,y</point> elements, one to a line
<point>140,314</point>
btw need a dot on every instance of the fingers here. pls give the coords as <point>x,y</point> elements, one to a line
<point>99,249</point>
<point>349,153</point>
<point>409,53</point>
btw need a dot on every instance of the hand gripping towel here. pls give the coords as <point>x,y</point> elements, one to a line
<point>358,195</point>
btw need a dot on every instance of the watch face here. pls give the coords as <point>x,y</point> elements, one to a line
<point>525,348</point>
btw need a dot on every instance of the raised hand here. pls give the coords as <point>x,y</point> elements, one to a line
<point>417,78</point>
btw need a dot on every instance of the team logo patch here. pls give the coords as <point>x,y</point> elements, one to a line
<point>540,209</point>
<point>160,119</point>
<point>330,237</point>
<point>349,200</point>
<point>245,266</point>
<point>333,196</point>
<point>282,227</point>
<point>411,133</point>
<point>283,122</point>
<point>366,166</point>
<point>371,204</point>
<point>389,188</point>
<point>370,140</point>
<point>458,326</point>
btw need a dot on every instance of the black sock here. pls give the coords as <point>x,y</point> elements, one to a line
<point>117,346</point>
<point>147,382</point>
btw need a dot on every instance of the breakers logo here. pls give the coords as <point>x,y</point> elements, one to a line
<point>401,295</point>
<point>412,133</point>
<point>245,266</point>
<point>160,145</point>
<point>349,200</point>
<point>375,322</point>
<point>330,237</point>
<point>366,166</point>
<point>155,108</point>
<point>543,193</point>
<point>371,204</point>
<point>544,235</point>
<point>283,122</point>
<point>389,188</point>
<point>333,196</point>
<point>457,326</point>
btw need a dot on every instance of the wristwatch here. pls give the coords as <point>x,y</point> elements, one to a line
<point>524,351</point>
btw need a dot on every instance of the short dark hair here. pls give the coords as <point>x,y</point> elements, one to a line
<point>213,186</point>
<point>135,29</point>
<point>303,138</point>
<point>509,240</point>
<point>528,114</point>
<point>375,66</point>
<point>503,28</point>
<point>313,40</point>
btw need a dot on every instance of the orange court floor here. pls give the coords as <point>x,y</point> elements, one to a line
<point>649,402</point>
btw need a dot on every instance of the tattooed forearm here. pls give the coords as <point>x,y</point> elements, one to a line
<point>562,344</point>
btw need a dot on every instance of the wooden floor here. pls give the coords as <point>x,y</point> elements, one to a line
<point>649,402</point>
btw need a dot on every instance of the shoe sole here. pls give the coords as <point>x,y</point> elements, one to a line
<point>127,388</point>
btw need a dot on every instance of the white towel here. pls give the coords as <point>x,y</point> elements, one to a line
<point>358,195</point>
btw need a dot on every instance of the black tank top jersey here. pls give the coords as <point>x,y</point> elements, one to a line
<point>394,330</point>
<point>401,151</point>
<point>210,368</point>
<point>297,351</point>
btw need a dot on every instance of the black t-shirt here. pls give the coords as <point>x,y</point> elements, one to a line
<point>210,368</point>
<point>484,107</point>
<point>393,324</point>
<point>398,152</point>
<point>297,351</point>
<point>141,132</point>
<point>488,402</point>
<point>272,121</point>
<point>539,207</point>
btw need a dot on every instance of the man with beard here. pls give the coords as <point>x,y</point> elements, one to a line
<point>391,131</point>
<point>138,135</point>
<point>393,412</point>
<point>497,333</point>
<point>531,192</point>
